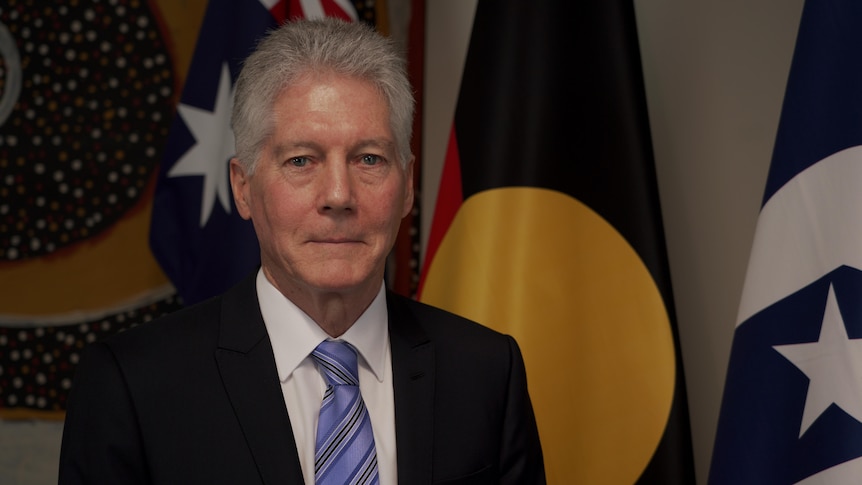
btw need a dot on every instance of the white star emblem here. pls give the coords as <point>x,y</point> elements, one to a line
<point>213,148</point>
<point>833,365</point>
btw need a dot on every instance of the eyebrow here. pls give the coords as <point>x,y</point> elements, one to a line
<point>382,143</point>
<point>376,143</point>
<point>279,150</point>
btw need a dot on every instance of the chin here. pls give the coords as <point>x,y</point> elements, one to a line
<point>342,281</point>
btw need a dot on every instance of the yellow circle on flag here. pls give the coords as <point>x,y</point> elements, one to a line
<point>545,268</point>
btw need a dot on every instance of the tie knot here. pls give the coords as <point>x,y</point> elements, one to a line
<point>337,360</point>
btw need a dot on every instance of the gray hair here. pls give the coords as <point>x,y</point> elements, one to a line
<point>302,46</point>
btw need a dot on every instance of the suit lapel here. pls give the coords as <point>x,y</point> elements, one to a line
<point>413,381</point>
<point>250,378</point>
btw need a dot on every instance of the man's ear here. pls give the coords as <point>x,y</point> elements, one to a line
<point>408,189</point>
<point>240,185</point>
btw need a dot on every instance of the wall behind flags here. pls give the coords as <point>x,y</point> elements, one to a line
<point>715,74</point>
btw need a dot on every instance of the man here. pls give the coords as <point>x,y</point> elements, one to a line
<point>233,390</point>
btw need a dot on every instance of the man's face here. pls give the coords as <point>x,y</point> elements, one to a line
<point>328,194</point>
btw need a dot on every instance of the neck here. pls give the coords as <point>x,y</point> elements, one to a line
<point>333,311</point>
<point>333,314</point>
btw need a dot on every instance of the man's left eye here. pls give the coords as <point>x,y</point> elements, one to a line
<point>298,161</point>
<point>371,159</point>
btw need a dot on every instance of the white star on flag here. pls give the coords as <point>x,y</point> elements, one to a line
<point>833,365</point>
<point>214,146</point>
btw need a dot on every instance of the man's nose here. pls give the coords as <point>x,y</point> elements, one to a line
<point>336,187</point>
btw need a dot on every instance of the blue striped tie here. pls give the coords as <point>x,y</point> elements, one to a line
<point>344,450</point>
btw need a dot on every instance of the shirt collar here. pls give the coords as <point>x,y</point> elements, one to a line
<point>294,334</point>
<point>369,335</point>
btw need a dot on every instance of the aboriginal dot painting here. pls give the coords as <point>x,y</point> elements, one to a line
<point>37,363</point>
<point>87,94</point>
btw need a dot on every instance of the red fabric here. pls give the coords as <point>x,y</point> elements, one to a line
<point>449,199</point>
<point>279,11</point>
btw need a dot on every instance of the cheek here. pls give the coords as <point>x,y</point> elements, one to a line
<point>390,210</point>
<point>273,206</point>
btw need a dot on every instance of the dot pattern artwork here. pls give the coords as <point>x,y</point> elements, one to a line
<point>87,87</point>
<point>37,364</point>
<point>86,100</point>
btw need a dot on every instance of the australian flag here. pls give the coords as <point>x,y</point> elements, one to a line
<point>196,234</point>
<point>792,406</point>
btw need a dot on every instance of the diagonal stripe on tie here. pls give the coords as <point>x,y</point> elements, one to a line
<point>344,449</point>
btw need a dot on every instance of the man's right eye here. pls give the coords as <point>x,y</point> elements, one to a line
<point>298,161</point>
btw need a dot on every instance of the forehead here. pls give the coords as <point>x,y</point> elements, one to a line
<point>326,90</point>
<point>327,109</point>
<point>318,97</point>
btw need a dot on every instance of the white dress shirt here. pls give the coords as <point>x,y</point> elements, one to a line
<point>294,335</point>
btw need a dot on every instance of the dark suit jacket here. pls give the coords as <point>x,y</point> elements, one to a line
<point>195,398</point>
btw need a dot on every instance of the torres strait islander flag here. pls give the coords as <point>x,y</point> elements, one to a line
<point>548,228</point>
<point>792,406</point>
<point>196,235</point>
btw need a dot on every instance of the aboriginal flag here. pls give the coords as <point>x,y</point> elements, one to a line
<point>548,228</point>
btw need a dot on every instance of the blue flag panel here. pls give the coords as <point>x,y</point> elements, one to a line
<point>197,236</point>
<point>792,405</point>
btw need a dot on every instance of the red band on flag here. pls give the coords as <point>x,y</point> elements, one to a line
<point>449,199</point>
